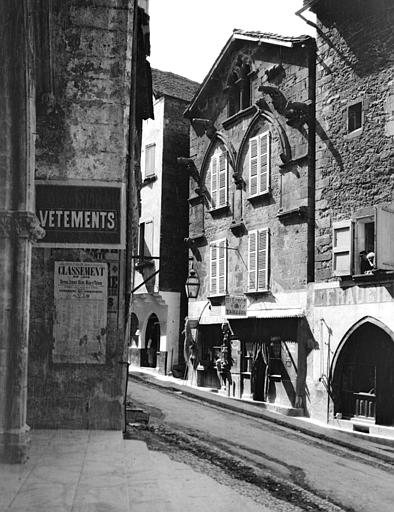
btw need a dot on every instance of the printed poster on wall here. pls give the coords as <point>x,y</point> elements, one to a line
<point>80,323</point>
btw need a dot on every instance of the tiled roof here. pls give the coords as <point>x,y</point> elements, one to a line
<point>166,83</point>
<point>272,37</point>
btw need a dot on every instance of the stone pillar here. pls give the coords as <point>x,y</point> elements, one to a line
<point>18,225</point>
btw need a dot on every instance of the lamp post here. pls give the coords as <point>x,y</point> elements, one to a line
<point>192,284</point>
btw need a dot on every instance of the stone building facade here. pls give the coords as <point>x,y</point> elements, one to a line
<point>351,309</point>
<point>251,233</point>
<point>159,304</point>
<point>91,60</point>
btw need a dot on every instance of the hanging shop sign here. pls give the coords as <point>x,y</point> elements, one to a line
<point>75,215</point>
<point>80,322</point>
<point>236,306</point>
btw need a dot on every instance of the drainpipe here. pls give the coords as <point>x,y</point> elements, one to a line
<point>311,161</point>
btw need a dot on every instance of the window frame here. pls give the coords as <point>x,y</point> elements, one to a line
<point>215,188</point>
<point>382,216</point>
<point>152,172</point>
<point>255,285</point>
<point>259,190</point>
<point>356,132</point>
<point>214,286</point>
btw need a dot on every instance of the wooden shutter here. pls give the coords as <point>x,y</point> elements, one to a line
<point>253,166</point>
<point>222,185</point>
<point>264,162</point>
<point>222,267</point>
<point>384,228</point>
<point>214,181</point>
<point>342,238</point>
<point>252,261</point>
<point>262,259</point>
<point>150,160</point>
<point>213,268</point>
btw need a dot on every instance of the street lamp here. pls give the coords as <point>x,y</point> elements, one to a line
<point>192,284</point>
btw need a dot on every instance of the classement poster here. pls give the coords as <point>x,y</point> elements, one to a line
<point>80,323</point>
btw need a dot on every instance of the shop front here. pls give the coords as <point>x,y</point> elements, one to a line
<point>259,358</point>
<point>352,372</point>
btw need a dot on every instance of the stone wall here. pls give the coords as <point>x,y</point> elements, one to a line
<point>82,134</point>
<point>354,62</point>
<point>290,190</point>
<point>174,211</point>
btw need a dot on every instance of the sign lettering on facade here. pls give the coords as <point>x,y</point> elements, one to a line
<point>88,216</point>
<point>354,295</point>
<point>236,306</point>
<point>80,323</point>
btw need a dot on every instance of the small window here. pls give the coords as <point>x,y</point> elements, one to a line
<point>365,243</point>
<point>354,114</point>
<point>259,164</point>
<point>150,163</point>
<point>258,260</point>
<point>219,179</point>
<point>218,267</point>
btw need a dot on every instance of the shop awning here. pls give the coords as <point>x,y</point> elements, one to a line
<point>276,313</point>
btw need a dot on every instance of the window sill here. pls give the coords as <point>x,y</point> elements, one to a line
<point>238,116</point>
<point>257,292</point>
<point>149,179</point>
<point>260,195</point>
<point>376,275</point>
<point>219,209</point>
<point>353,134</point>
<point>295,212</point>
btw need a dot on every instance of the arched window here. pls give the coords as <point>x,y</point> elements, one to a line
<point>239,86</point>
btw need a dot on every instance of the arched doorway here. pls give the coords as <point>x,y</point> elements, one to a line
<point>152,342</point>
<point>363,376</point>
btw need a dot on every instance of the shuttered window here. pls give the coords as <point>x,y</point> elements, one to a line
<point>219,178</point>
<point>342,238</point>
<point>150,158</point>
<point>385,237</point>
<point>258,260</point>
<point>218,267</point>
<point>259,164</point>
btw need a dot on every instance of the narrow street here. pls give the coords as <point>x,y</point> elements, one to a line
<point>270,464</point>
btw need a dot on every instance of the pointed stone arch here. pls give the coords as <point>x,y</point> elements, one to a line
<point>218,138</point>
<point>361,373</point>
<point>262,113</point>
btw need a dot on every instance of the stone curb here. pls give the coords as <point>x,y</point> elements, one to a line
<point>294,424</point>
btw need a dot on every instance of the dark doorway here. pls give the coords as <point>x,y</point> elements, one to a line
<point>152,342</point>
<point>363,382</point>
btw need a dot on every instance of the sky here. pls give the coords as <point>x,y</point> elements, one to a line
<point>188,35</point>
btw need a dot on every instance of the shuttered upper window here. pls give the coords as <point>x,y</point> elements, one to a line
<point>259,164</point>
<point>219,179</point>
<point>150,160</point>
<point>353,240</point>
<point>218,267</point>
<point>258,260</point>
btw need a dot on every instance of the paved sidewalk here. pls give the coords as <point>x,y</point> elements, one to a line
<point>364,443</point>
<point>99,471</point>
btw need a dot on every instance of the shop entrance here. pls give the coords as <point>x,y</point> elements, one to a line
<point>152,342</point>
<point>363,377</point>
